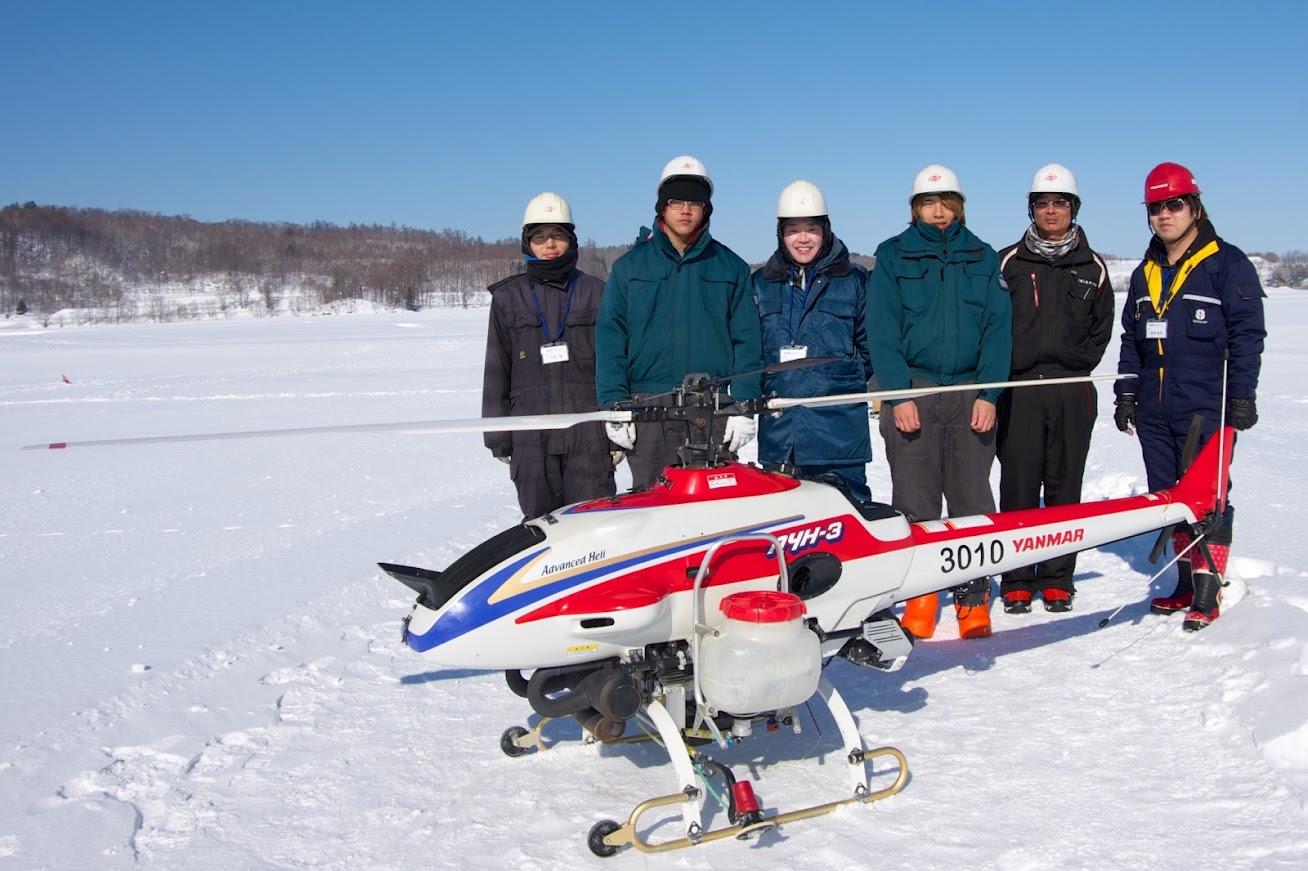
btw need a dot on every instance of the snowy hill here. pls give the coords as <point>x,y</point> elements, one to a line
<point>202,665</point>
<point>1119,271</point>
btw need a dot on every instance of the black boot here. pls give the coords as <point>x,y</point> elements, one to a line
<point>1207,599</point>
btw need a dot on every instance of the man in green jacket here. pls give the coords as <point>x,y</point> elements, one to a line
<point>679,302</point>
<point>938,314</point>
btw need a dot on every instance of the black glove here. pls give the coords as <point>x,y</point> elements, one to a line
<point>1125,414</point>
<point>1241,413</point>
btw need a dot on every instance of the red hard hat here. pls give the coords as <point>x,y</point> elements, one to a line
<point>1168,180</point>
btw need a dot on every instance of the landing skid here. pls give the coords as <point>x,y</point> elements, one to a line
<point>607,837</point>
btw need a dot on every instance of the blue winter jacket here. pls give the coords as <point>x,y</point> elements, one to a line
<point>938,310</point>
<point>665,315</point>
<point>1212,305</point>
<point>828,319</point>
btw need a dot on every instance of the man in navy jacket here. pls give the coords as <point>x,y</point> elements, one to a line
<point>1192,334</point>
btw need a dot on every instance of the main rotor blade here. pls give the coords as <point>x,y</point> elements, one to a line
<point>779,403</point>
<point>771,369</point>
<point>422,427</point>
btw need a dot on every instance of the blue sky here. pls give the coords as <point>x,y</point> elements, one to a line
<point>438,115</point>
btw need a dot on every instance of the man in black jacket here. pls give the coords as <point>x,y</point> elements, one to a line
<point>1062,321</point>
<point>540,359</point>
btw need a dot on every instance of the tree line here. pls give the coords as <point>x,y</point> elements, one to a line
<point>130,265</point>
<point>124,266</point>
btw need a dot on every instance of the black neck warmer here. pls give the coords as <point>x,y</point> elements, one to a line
<point>556,271</point>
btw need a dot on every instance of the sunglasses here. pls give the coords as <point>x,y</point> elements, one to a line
<point>1173,205</point>
<point>1059,203</point>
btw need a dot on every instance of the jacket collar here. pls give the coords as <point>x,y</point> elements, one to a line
<point>1158,251</point>
<point>694,249</point>
<point>955,242</point>
<point>833,264</point>
<point>1081,253</point>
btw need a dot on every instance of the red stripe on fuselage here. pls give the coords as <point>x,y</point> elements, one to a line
<point>733,563</point>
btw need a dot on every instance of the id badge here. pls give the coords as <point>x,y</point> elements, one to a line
<point>1155,329</point>
<point>793,352</point>
<point>556,352</point>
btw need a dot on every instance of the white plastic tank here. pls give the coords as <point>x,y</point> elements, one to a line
<point>763,656</point>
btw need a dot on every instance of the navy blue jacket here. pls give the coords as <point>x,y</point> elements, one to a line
<point>1212,304</point>
<point>828,319</point>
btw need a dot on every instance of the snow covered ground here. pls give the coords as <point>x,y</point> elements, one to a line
<point>200,663</point>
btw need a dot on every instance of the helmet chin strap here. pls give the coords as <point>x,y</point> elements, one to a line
<point>1194,224</point>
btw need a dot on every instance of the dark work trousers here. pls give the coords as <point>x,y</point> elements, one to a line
<point>656,447</point>
<point>554,480</point>
<point>1162,442</point>
<point>943,458</point>
<point>1044,437</point>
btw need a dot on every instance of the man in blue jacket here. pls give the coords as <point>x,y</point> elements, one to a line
<point>677,303</point>
<point>813,302</point>
<point>1192,333</point>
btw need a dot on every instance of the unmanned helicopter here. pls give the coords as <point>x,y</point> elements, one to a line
<point>704,609</point>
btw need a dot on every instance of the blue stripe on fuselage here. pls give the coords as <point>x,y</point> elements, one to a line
<point>474,610</point>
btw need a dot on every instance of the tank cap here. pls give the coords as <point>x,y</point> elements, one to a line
<point>763,606</point>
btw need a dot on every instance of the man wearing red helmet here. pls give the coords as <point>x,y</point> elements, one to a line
<point>1194,311</point>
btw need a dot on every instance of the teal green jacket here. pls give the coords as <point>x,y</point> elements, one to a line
<point>665,315</point>
<point>938,310</point>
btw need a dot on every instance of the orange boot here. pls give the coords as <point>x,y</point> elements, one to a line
<point>920,615</point>
<point>972,607</point>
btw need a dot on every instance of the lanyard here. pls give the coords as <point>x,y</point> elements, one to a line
<point>803,301</point>
<point>1162,287</point>
<point>567,307</point>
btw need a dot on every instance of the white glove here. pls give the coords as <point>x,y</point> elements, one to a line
<point>616,456</point>
<point>740,432</point>
<point>622,434</point>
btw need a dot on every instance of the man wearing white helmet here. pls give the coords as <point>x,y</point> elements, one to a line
<point>540,359</point>
<point>813,302</point>
<point>1062,321</point>
<point>679,302</point>
<point>938,315</point>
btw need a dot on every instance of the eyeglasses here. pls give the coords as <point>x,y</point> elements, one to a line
<point>1174,205</point>
<point>540,237</point>
<point>1059,203</point>
<point>678,205</point>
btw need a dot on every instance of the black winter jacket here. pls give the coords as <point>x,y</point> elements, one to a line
<point>1062,311</point>
<point>517,382</point>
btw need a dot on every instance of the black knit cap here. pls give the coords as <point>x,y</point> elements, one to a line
<point>691,188</point>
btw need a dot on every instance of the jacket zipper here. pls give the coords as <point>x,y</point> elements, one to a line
<point>1035,289</point>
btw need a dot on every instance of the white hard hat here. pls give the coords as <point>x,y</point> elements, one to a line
<point>936,179</point>
<point>801,199</point>
<point>1054,178</point>
<point>685,166</point>
<point>547,208</point>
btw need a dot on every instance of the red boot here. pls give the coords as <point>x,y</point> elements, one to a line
<point>1183,595</point>
<point>1207,599</point>
<point>1205,606</point>
<point>1057,600</point>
